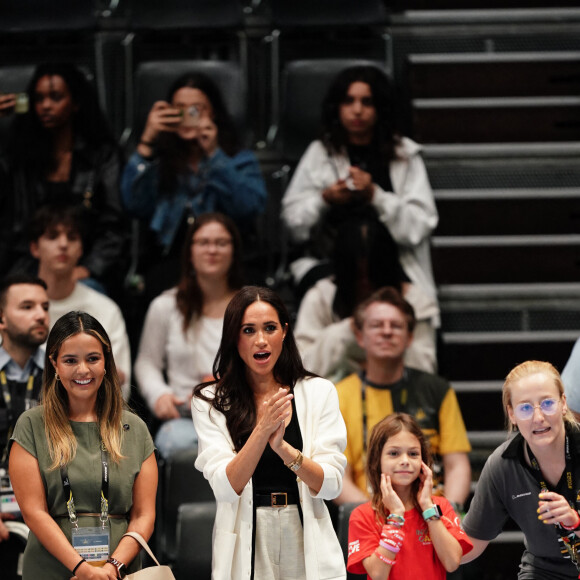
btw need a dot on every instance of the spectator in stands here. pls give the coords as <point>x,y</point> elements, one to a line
<point>59,456</point>
<point>362,167</point>
<point>183,328</point>
<point>384,326</point>
<point>571,380</point>
<point>62,150</point>
<point>57,243</point>
<point>270,444</point>
<point>404,523</point>
<point>23,328</point>
<point>366,258</point>
<point>189,162</point>
<point>534,477</point>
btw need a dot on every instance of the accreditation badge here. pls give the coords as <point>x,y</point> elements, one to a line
<point>92,544</point>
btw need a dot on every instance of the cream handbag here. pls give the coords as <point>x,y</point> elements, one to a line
<point>158,572</point>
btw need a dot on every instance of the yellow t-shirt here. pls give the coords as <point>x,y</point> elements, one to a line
<point>429,398</point>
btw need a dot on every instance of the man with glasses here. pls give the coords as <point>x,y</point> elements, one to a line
<point>383,326</point>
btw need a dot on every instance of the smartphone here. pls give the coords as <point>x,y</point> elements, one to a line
<point>22,104</point>
<point>190,117</point>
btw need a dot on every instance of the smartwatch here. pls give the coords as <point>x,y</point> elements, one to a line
<point>432,513</point>
<point>121,568</point>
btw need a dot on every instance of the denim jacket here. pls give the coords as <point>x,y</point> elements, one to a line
<point>231,185</point>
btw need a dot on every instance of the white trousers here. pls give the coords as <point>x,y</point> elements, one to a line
<point>279,544</point>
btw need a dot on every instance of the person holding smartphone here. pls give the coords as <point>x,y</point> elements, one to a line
<point>188,162</point>
<point>362,167</point>
<point>534,477</point>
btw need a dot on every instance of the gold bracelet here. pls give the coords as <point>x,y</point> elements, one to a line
<point>297,463</point>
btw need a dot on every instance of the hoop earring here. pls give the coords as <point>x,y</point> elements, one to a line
<point>105,372</point>
<point>56,377</point>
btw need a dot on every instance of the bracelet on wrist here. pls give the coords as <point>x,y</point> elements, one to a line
<point>296,464</point>
<point>384,558</point>
<point>74,570</point>
<point>574,526</point>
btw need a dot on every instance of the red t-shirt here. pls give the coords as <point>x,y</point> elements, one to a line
<point>417,558</point>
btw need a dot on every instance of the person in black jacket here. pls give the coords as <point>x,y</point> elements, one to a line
<point>62,152</point>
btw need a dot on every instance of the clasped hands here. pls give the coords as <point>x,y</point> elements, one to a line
<point>358,186</point>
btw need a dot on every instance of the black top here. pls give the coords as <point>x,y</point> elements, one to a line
<point>271,475</point>
<point>369,159</point>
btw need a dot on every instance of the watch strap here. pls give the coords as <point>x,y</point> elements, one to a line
<point>432,513</point>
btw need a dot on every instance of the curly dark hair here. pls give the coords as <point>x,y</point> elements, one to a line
<point>385,134</point>
<point>173,155</point>
<point>233,395</point>
<point>31,145</point>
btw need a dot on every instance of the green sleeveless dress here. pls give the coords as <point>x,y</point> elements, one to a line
<point>85,479</point>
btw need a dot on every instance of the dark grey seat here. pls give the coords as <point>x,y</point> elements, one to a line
<point>327,12</point>
<point>23,16</point>
<point>185,14</point>
<point>194,541</point>
<point>180,483</point>
<point>304,85</point>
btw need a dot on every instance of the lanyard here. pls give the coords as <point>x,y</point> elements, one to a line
<point>399,406</point>
<point>570,540</point>
<point>8,402</point>
<point>68,494</point>
<point>8,397</point>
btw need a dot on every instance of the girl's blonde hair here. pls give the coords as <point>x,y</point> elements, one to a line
<point>389,426</point>
<point>526,369</point>
<point>62,443</point>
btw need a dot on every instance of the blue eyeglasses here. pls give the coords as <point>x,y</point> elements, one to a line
<point>526,410</point>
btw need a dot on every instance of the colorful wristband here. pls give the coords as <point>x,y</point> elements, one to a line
<point>384,558</point>
<point>575,526</point>
<point>387,545</point>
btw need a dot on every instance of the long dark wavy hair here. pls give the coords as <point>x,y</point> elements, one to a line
<point>31,145</point>
<point>233,395</point>
<point>189,297</point>
<point>172,151</point>
<point>385,133</point>
<point>389,426</point>
<point>365,258</point>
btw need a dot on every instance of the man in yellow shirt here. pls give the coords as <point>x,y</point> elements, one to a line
<point>383,325</point>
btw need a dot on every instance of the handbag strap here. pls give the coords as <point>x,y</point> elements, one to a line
<point>144,544</point>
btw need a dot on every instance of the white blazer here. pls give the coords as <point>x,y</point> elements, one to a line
<point>324,440</point>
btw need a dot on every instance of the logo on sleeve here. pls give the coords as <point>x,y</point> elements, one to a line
<point>353,547</point>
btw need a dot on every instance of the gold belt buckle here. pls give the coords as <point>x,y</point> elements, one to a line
<point>279,499</point>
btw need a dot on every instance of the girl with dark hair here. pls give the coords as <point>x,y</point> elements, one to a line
<point>404,531</point>
<point>365,258</point>
<point>189,162</point>
<point>271,439</point>
<point>81,464</point>
<point>362,167</point>
<point>183,328</point>
<point>62,152</point>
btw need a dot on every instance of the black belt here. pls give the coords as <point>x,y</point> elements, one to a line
<point>276,499</point>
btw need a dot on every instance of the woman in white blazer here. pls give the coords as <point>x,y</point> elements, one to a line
<point>271,438</point>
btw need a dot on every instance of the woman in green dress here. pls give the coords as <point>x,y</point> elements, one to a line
<point>83,469</point>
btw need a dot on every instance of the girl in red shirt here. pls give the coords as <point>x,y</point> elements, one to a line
<point>404,531</point>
